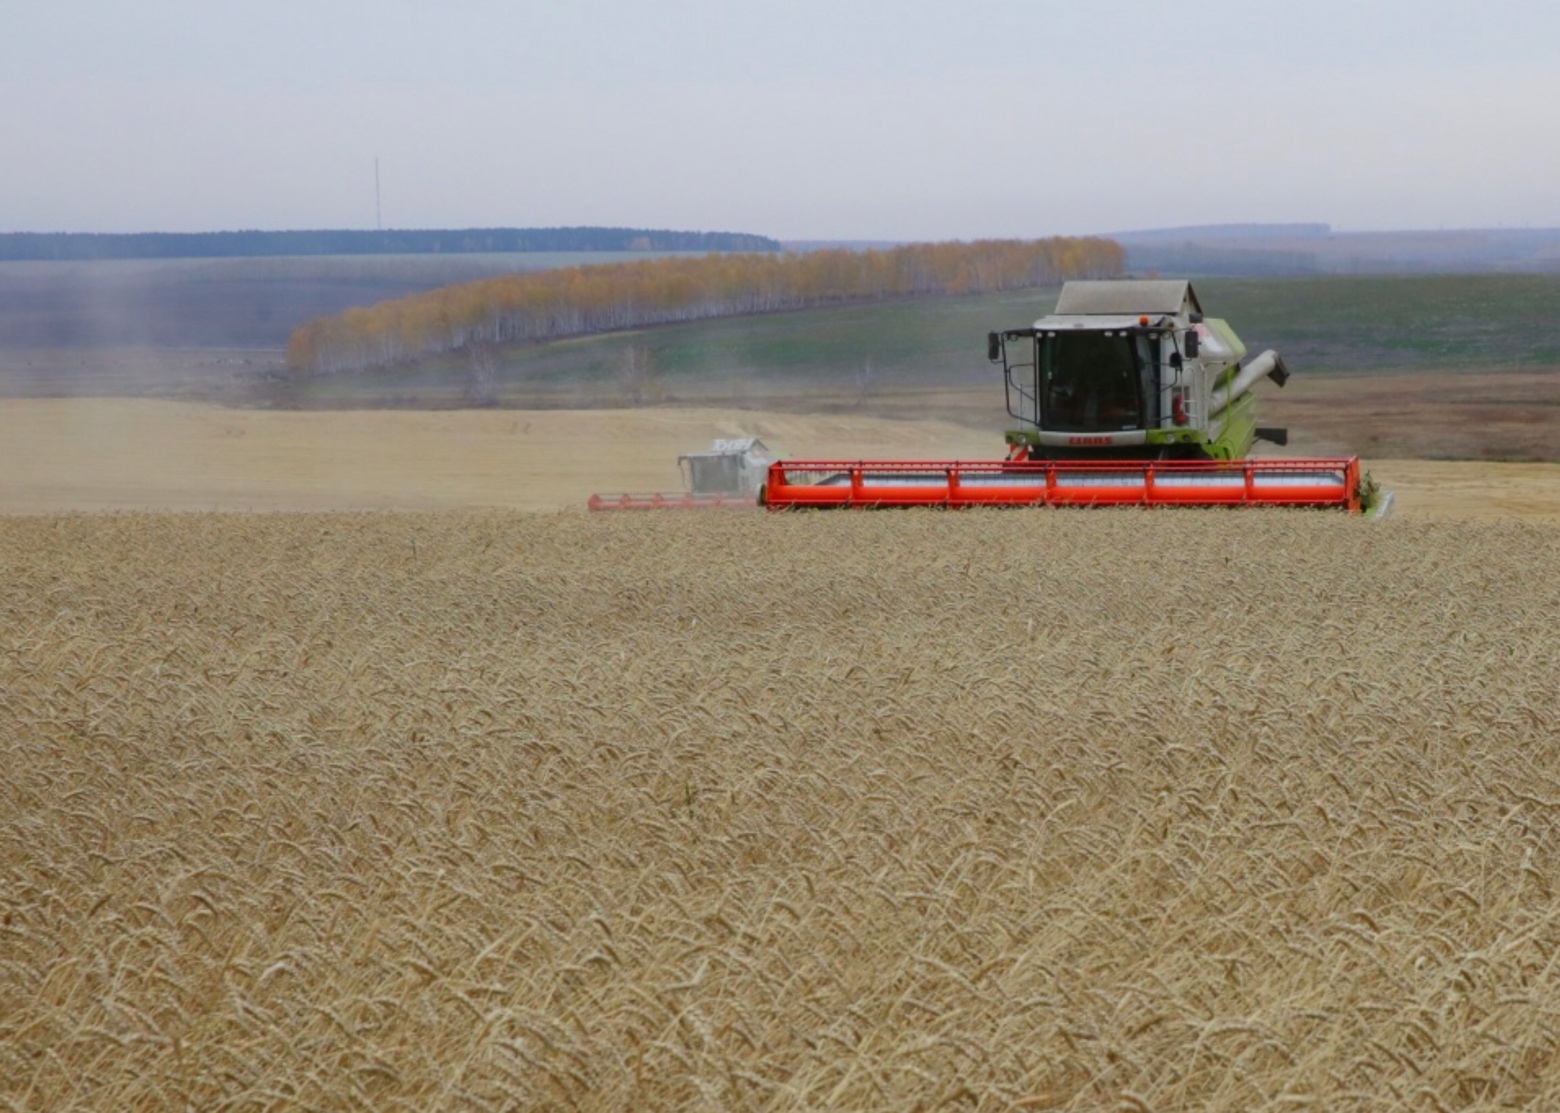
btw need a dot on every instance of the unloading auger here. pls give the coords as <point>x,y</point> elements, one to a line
<point>1128,395</point>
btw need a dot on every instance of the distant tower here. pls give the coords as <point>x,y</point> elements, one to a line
<point>379,218</point>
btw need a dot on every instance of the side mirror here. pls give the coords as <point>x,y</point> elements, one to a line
<point>1192,342</point>
<point>993,346</point>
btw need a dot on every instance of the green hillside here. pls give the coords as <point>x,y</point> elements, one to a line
<point>930,342</point>
<point>1479,322</point>
<point>833,358</point>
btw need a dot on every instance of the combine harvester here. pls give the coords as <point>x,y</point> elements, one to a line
<point>727,477</point>
<point>1129,397</point>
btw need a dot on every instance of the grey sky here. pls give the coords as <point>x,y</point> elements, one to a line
<point>804,119</point>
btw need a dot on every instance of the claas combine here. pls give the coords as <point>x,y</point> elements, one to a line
<point>1127,395</point>
<point>725,477</point>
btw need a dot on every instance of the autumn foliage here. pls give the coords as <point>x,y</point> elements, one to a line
<point>548,305</point>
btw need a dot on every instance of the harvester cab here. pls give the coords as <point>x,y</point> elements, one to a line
<point>733,466</point>
<point>1131,370</point>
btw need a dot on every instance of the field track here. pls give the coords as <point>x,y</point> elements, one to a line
<point>59,455</point>
<point>483,810</point>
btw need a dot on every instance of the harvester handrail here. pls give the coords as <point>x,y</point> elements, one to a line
<point>1303,463</point>
<point>1313,481</point>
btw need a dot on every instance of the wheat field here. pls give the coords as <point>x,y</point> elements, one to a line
<point>1083,811</point>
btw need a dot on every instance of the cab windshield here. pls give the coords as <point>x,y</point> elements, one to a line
<point>1097,382</point>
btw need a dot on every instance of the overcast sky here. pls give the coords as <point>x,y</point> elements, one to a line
<point>873,119</point>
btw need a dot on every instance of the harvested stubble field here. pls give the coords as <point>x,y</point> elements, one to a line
<point>62,455</point>
<point>1001,811</point>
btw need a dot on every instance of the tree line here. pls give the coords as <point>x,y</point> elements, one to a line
<point>88,246</point>
<point>572,301</point>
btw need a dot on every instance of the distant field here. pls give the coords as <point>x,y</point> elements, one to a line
<point>1438,366</point>
<point>1321,326</point>
<point>1342,324</point>
<point>1435,367</point>
<point>887,346</point>
<point>224,303</point>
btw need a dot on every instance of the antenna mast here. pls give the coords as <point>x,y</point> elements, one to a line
<point>379,219</point>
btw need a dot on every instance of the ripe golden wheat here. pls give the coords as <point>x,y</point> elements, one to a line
<point>1109,810</point>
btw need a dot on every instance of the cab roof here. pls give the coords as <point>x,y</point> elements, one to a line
<point>1127,297</point>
